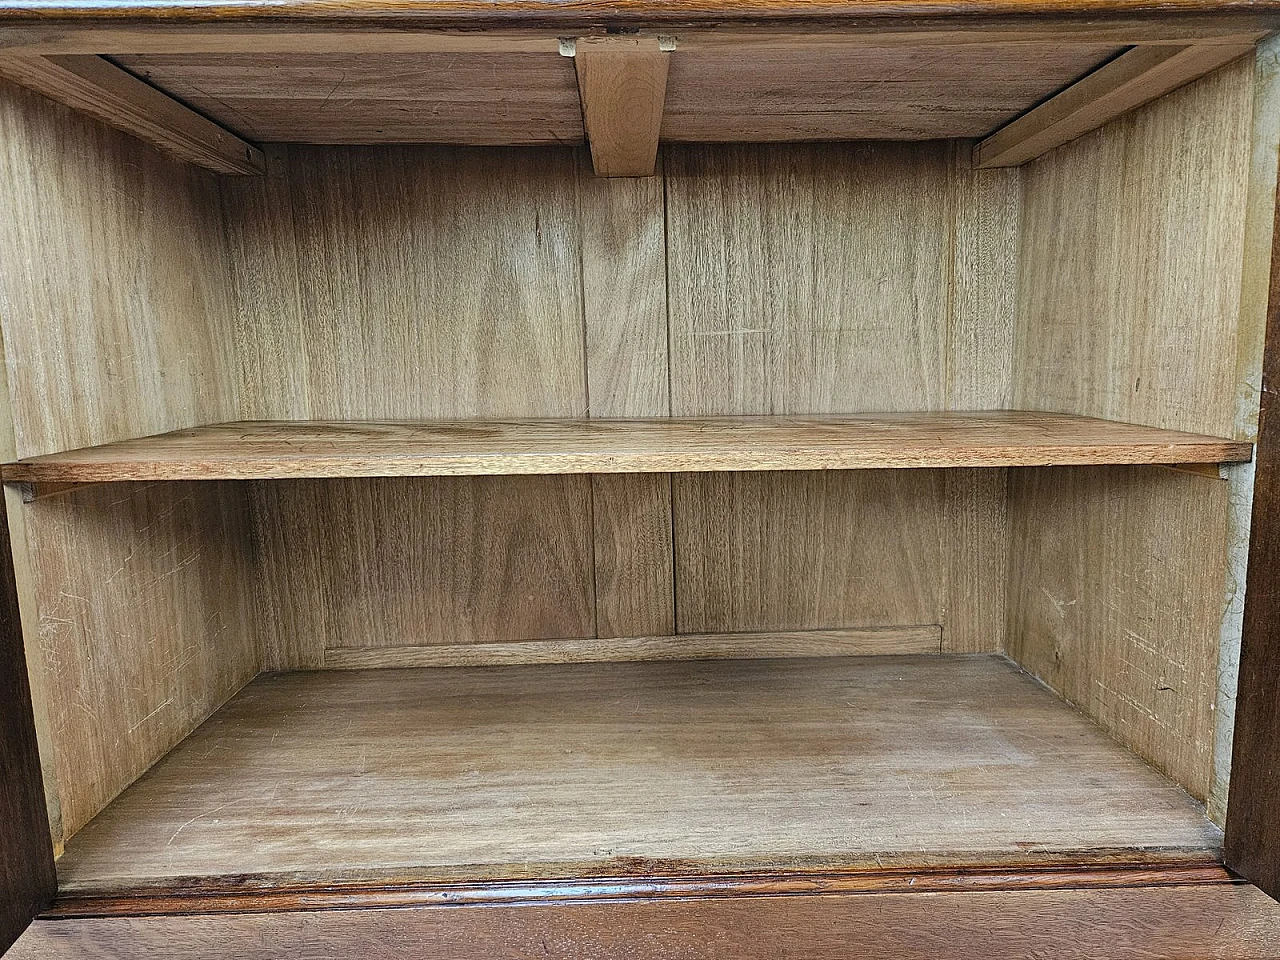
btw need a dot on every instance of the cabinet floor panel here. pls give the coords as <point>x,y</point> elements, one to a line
<point>694,768</point>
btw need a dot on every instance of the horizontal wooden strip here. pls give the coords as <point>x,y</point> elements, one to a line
<point>709,646</point>
<point>230,896</point>
<point>99,88</point>
<point>86,14</point>
<point>1224,921</point>
<point>174,38</point>
<point>1127,82</point>
<point>282,449</point>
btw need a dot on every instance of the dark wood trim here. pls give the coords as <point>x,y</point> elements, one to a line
<point>404,26</point>
<point>27,882</point>
<point>397,13</point>
<point>1191,922</point>
<point>1253,811</point>
<point>227,895</point>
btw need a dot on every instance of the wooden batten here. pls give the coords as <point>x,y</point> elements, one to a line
<point>778,645</point>
<point>623,85</point>
<point>1132,79</point>
<point>31,492</point>
<point>99,88</point>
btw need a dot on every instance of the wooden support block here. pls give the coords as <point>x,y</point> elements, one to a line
<point>95,86</point>
<point>1132,79</point>
<point>1211,470</point>
<point>31,492</point>
<point>623,84</point>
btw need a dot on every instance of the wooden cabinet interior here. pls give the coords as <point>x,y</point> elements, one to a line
<point>505,530</point>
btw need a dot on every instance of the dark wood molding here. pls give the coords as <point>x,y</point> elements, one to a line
<point>249,895</point>
<point>27,882</point>
<point>392,13</point>
<point>1253,811</point>
<point>369,26</point>
<point>1191,922</point>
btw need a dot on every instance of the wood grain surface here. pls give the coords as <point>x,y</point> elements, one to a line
<point>791,271</point>
<point>409,283</point>
<point>794,89</point>
<point>1131,263</point>
<point>265,450</point>
<point>1210,922</point>
<point>805,89</point>
<point>143,598</point>
<point>622,83</point>
<point>1213,922</point>
<point>1115,596</point>
<point>773,645</point>
<point>115,308</point>
<point>1142,224</point>
<point>223,896</point>
<point>633,540</point>
<point>389,563</point>
<point>753,550</point>
<point>524,97</point>
<point>557,770</point>
<point>134,600</point>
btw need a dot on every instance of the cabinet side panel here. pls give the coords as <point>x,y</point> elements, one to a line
<point>113,298</point>
<point>1253,812</point>
<point>114,302</point>
<point>1132,253</point>
<point>27,880</point>
<point>1255,298</point>
<point>144,626</point>
<point>840,279</point>
<point>1134,305</point>
<point>1115,596</point>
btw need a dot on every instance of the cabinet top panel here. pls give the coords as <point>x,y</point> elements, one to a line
<point>211,81</point>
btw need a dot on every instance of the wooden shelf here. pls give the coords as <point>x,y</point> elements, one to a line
<point>642,769</point>
<point>270,450</point>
